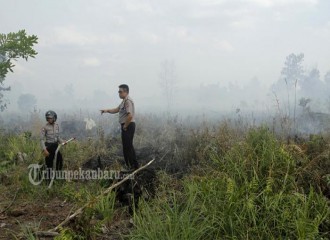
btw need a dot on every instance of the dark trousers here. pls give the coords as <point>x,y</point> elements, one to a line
<point>128,148</point>
<point>51,148</point>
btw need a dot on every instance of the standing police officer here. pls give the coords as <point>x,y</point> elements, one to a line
<point>49,140</point>
<point>126,112</point>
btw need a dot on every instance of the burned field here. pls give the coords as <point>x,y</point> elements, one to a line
<point>217,180</point>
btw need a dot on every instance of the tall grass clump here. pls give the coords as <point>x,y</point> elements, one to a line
<point>250,193</point>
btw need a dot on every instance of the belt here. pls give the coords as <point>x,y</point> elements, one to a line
<point>124,123</point>
<point>51,144</point>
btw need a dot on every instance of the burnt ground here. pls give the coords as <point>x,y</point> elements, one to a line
<point>44,214</point>
<point>164,161</point>
<point>20,214</point>
<point>41,215</point>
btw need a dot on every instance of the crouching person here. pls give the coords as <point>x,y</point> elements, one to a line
<point>49,140</point>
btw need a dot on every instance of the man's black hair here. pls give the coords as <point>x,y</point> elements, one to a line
<point>125,87</point>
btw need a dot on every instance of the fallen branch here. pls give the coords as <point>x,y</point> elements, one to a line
<point>80,210</point>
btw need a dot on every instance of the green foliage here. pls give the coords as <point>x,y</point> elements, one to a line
<point>171,220</point>
<point>243,186</point>
<point>14,46</point>
<point>99,212</point>
<point>68,234</point>
<point>28,230</point>
<point>104,207</point>
<point>250,194</point>
<point>13,149</point>
<point>315,167</point>
<point>316,145</point>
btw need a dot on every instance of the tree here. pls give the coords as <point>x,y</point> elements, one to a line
<point>327,82</point>
<point>12,47</point>
<point>291,75</point>
<point>312,86</point>
<point>303,102</point>
<point>327,78</point>
<point>293,69</point>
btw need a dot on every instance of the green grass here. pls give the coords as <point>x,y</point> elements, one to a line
<point>249,193</point>
<point>243,185</point>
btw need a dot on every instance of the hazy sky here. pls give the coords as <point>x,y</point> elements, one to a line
<point>96,45</point>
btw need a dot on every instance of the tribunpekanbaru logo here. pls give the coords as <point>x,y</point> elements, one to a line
<point>34,174</point>
<point>37,173</point>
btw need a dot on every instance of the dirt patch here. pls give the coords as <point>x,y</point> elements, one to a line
<point>34,215</point>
